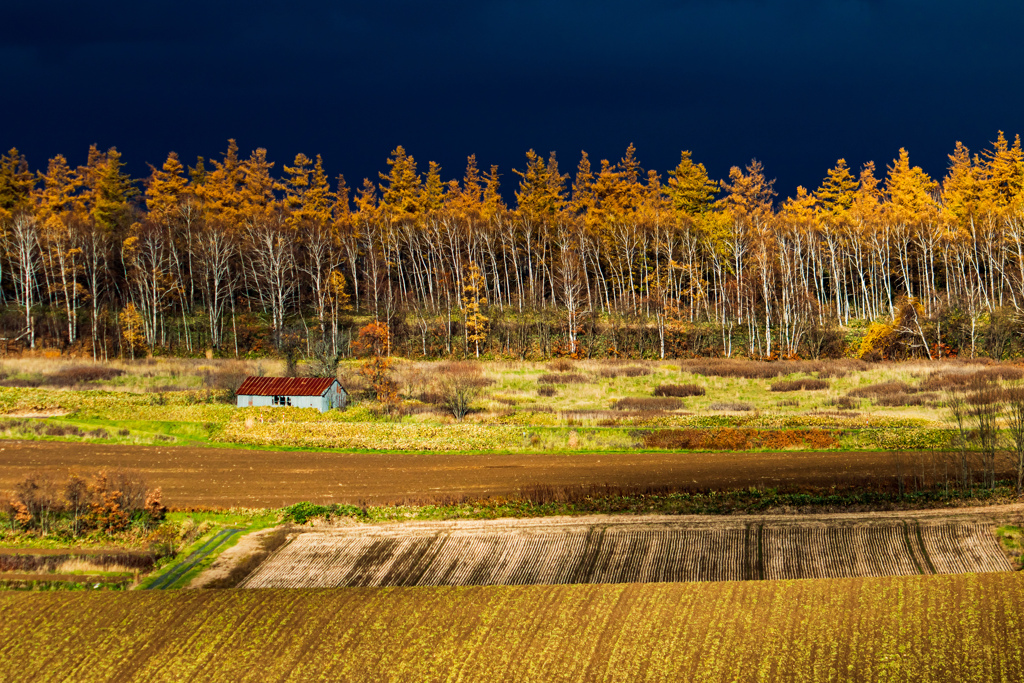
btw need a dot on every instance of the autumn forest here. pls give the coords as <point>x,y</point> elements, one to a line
<point>232,256</point>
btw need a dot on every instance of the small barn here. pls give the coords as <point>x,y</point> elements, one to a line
<point>322,393</point>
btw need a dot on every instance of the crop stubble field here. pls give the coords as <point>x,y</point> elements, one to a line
<point>637,550</point>
<point>919,628</point>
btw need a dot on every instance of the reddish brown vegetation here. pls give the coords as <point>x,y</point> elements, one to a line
<point>732,439</point>
<point>750,369</point>
<point>648,403</point>
<point>564,378</point>
<point>734,406</point>
<point>800,385</point>
<point>627,371</point>
<point>679,390</point>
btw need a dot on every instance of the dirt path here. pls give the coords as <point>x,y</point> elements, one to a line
<point>176,572</point>
<point>220,477</point>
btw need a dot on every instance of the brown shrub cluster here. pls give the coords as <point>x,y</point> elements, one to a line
<point>648,403</point>
<point>679,390</point>
<point>108,503</point>
<point>751,369</point>
<point>74,376</point>
<point>738,439</point>
<point>51,429</point>
<point>843,403</point>
<point>734,406</point>
<point>954,379</point>
<point>624,371</point>
<point>561,365</point>
<point>547,391</point>
<point>564,378</point>
<point>226,380</point>
<point>881,389</point>
<point>18,562</point>
<point>80,374</point>
<point>901,399</point>
<point>800,385</point>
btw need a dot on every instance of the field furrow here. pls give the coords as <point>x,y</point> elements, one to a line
<point>481,555</point>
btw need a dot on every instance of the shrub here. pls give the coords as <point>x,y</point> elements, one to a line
<point>731,406</point>
<point>800,385</point>
<point>459,385</point>
<point>563,378</point>
<point>949,379</point>
<point>561,365</point>
<point>547,390</point>
<point>80,374</point>
<point>300,513</point>
<point>749,369</point>
<point>790,402</point>
<point>624,371</point>
<point>680,390</point>
<point>735,439</point>
<point>882,389</point>
<point>644,403</point>
<point>226,380</point>
<point>901,399</point>
<point>843,403</point>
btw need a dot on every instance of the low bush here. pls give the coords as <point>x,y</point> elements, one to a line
<point>735,406</point>
<point>547,391</point>
<point>800,385</point>
<point>624,371</point>
<point>788,402</point>
<point>738,439</point>
<point>80,374</point>
<point>563,378</point>
<point>843,403</point>
<point>300,513</point>
<point>561,365</point>
<point>648,403</point>
<point>882,389</point>
<point>896,400</point>
<point>750,369</point>
<point>679,390</point>
<point>959,379</point>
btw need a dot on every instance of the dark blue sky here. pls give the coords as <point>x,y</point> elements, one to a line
<point>794,83</point>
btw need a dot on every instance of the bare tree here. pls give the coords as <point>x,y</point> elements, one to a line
<point>24,247</point>
<point>956,404</point>
<point>985,408</point>
<point>459,385</point>
<point>1015,432</point>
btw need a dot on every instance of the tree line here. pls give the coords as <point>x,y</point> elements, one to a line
<point>611,259</point>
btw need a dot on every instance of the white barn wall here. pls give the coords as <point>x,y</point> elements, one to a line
<point>334,397</point>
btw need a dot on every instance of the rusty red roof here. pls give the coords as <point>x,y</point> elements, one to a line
<point>285,386</point>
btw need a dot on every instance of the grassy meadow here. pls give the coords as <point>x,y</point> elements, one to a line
<point>559,406</point>
<point>562,406</point>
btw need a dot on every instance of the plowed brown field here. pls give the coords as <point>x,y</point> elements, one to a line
<point>221,477</point>
<point>630,550</point>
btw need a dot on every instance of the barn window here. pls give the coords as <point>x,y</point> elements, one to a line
<point>282,400</point>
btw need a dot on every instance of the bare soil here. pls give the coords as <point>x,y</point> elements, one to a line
<point>222,477</point>
<point>648,549</point>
